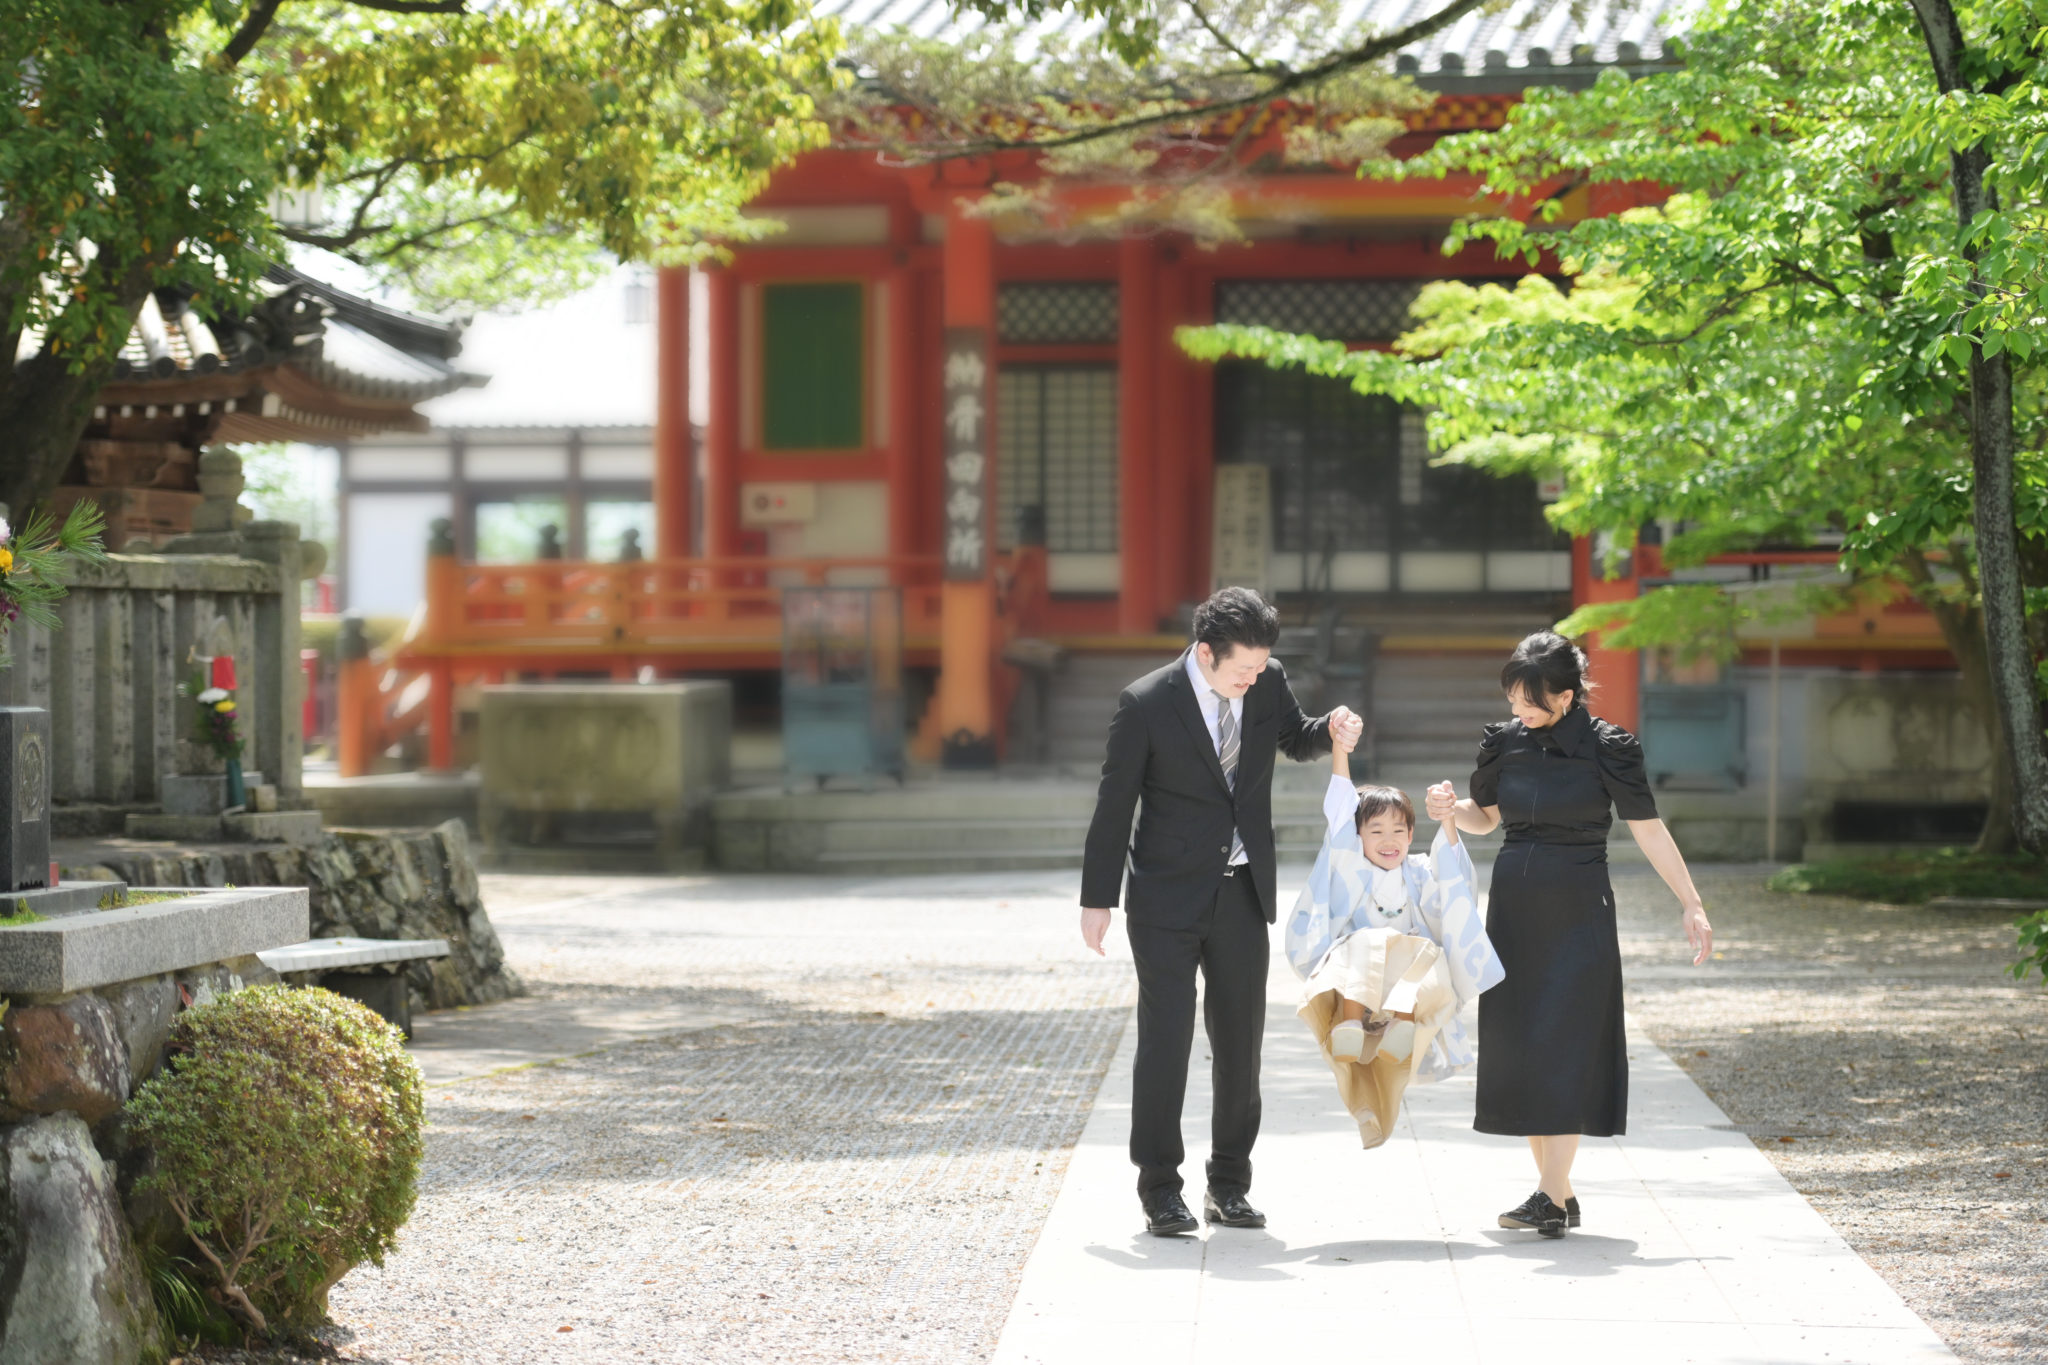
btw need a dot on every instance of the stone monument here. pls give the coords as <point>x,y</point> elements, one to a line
<point>25,778</point>
<point>25,822</point>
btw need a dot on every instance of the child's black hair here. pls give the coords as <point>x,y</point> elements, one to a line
<point>1378,800</point>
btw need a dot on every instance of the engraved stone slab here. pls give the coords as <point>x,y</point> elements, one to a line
<point>24,797</point>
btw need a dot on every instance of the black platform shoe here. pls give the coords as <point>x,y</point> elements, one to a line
<point>1539,1213</point>
<point>1571,1212</point>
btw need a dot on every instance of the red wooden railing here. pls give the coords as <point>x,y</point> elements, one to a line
<point>482,622</point>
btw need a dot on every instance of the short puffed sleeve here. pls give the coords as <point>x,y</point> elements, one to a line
<point>1486,776</point>
<point>1621,773</point>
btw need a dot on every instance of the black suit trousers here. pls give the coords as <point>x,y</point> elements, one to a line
<point>1228,946</point>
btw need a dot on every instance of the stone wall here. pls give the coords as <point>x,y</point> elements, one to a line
<point>109,675</point>
<point>364,884</point>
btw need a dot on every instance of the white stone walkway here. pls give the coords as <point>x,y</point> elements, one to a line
<point>1694,1248</point>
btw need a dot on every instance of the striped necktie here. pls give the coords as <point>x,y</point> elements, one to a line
<point>1227,747</point>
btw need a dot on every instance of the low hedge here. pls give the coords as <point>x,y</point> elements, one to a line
<point>286,1127</point>
<point>1911,877</point>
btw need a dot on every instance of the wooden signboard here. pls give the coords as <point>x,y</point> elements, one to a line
<point>965,388</point>
<point>1241,530</point>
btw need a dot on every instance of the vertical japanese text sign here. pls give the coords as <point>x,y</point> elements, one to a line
<point>965,396</point>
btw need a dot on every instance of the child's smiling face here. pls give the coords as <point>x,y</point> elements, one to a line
<point>1385,837</point>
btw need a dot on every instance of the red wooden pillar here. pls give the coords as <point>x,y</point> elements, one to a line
<point>1137,384</point>
<point>1616,674</point>
<point>904,426</point>
<point>356,719</point>
<point>440,717</point>
<point>722,426</point>
<point>966,699</point>
<point>1173,502</point>
<point>672,453</point>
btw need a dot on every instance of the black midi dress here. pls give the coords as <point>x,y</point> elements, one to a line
<point>1552,1054</point>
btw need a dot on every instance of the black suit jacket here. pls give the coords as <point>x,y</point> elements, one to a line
<point>1160,754</point>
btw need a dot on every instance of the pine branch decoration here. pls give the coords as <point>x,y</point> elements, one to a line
<point>33,561</point>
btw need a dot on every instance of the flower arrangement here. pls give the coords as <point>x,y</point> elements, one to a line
<point>32,564</point>
<point>212,690</point>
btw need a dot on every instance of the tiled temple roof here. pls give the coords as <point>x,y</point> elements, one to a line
<point>1531,42</point>
<point>351,345</point>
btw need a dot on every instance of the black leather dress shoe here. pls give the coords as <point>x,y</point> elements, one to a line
<point>1231,1211</point>
<point>1166,1215</point>
<point>1571,1212</point>
<point>1539,1213</point>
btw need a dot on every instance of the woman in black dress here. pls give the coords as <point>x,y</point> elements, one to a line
<point>1553,1060</point>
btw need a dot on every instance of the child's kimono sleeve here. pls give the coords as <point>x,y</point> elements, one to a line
<point>1449,907</point>
<point>1450,911</point>
<point>1327,908</point>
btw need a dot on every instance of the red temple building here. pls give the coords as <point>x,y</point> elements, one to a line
<point>816,394</point>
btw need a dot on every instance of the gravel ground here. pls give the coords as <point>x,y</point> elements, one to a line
<point>856,1174</point>
<point>859,1172</point>
<point>1889,1068</point>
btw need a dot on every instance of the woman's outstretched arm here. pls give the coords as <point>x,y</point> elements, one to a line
<point>1474,818</point>
<point>1662,850</point>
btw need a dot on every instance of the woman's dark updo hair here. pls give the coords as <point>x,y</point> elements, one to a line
<point>1544,665</point>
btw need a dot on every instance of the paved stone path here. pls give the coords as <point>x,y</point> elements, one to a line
<point>1694,1249</point>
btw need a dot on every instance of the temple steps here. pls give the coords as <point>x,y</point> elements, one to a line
<point>960,823</point>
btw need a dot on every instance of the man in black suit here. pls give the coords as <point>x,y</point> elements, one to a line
<point>1191,748</point>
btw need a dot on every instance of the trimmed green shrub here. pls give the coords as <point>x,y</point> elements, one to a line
<point>286,1127</point>
<point>1910,877</point>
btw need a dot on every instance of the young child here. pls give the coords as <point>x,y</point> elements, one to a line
<point>1390,946</point>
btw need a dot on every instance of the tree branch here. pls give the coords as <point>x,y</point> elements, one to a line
<point>1308,77</point>
<point>1251,63</point>
<point>1720,310</point>
<point>254,26</point>
<point>1807,273</point>
<point>340,242</point>
<point>383,172</point>
<point>412,6</point>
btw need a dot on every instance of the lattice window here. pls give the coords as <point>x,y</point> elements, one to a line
<point>1056,314</point>
<point>1334,453</point>
<point>1351,472</point>
<point>1056,450</point>
<point>1335,310</point>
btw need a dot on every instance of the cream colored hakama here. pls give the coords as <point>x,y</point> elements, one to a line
<point>1388,973</point>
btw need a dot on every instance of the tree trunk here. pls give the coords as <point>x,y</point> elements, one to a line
<point>1962,627</point>
<point>44,409</point>
<point>2008,653</point>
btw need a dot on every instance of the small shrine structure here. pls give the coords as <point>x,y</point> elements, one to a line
<point>309,362</point>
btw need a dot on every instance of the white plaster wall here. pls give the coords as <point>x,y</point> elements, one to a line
<point>386,555</point>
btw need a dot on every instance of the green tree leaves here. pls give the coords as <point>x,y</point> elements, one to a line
<point>1796,345</point>
<point>477,158</point>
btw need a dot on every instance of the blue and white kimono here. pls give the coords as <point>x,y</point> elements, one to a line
<point>1431,898</point>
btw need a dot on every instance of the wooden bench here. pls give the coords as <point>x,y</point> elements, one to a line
<point>371,970</point>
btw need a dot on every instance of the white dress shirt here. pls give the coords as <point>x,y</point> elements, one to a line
<point>1206,698</point>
